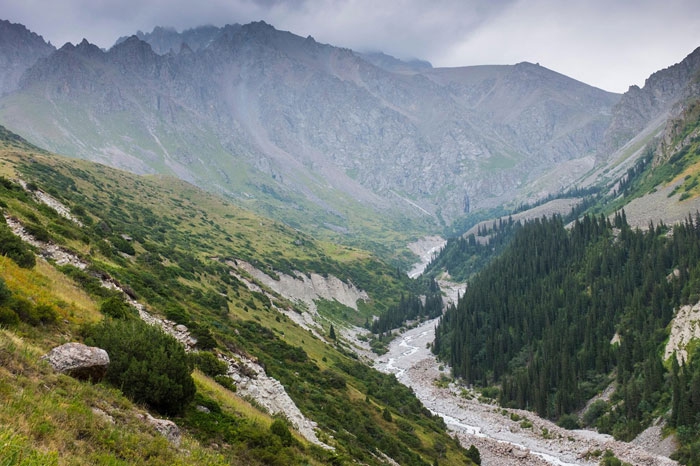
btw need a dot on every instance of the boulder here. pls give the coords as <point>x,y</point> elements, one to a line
<point>167,429</point>
<point>80,361</point>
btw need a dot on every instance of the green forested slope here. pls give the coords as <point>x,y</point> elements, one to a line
<point>561,313</point>
<point>167,244</point>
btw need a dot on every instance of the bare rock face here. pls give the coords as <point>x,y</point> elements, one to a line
<point>79,361</point>
<point>399,138</point>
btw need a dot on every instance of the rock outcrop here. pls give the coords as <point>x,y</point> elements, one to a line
<point>685,327</point>
<point>252,381</point>
<point>166,428</point>
<point>79,361</point>
<point>310,124</point>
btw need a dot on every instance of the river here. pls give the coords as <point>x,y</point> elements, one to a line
<point>502,436</point>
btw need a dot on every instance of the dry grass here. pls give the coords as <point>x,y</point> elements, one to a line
<point>44,285</point>
<point>48,419</point>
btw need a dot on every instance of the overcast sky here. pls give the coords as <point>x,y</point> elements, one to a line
<point>610,44</point>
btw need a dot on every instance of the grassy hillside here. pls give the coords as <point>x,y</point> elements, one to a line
<point>171,246</point>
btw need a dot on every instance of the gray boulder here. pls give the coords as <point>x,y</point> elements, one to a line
<point>80,361</point>
<point>166,428</point>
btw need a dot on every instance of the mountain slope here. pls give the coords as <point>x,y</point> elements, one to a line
<point>307,132</point>
<point>165,249</point>
<point>19,50</point>
<point>596,304</point>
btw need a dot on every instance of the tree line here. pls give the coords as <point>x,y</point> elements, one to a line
<point>562,312</point>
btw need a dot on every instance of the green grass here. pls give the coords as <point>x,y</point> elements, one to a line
<point>177,265</point>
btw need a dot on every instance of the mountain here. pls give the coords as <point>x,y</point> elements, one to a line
<point>19,49</point>
<point>560,310</point>
<point>389,63</point>
<point>95,255</point>
<point>310,133</point>
<point>168,40</point>
<point>654,172</point>
<point>651,104</point>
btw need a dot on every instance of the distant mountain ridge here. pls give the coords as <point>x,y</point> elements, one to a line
<point>639,107</point>
<point>269,117</point>
<point>19,49</point>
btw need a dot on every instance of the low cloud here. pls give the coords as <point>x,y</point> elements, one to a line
<point>604,43</point>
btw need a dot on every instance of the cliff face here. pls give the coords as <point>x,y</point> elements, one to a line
<point>256,112</point>
<point>19,49</point>
<point>661,97</point>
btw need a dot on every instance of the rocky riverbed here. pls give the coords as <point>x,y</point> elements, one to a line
<point>502,436</point>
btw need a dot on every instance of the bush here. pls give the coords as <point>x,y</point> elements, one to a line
<point>45,314</point>
<point>14,248</point>
<point>208,363</point>
<point>597,409</point>
<point>474,455</point>
<point>280,429</point>
<point>38,232</point>
<point>205,340</point>
<point>5,293</point>
<point>8,317</point>
<point>148,365</point>
<point>569,421</point>
<point>116,307</point>
<point>33,315</point>
<point>226,382</point>
<point>609,459</point>
<point>123,245</point>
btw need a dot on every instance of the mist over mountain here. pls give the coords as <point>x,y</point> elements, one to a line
<point>651,104</point>
<point>560,311</point>
<point>19,49</point>
<point>299,126</point>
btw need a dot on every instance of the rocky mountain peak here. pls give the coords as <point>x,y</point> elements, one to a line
<point>19,49</point>
<point>640,107</point>
<point>164,40</point>
<point>290,109</point>
<point>134,54</point>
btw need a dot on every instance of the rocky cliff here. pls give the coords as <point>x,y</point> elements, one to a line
<point>19,49</point>
<point>652,104</point>
<point>269,117</point>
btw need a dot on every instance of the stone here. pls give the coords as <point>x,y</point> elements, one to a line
<point>79,361</point>
<point>166,428</point>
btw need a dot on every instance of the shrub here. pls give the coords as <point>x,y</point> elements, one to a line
<point>38,232</point>
<point>280,429</point>
<point>474,455</point>
<point>208,363</point>
<point>116,307</point>
<point>148,365</point>
<point>569,421</point>
<point>122,245</point>
<point>8,317</point>
<point>205,340</point>
<point>609,459</point>
<point>597,409</point>
<point>14,248</point>
<point>5,293</point>
<point>226,382</point>
<point>45,314</point>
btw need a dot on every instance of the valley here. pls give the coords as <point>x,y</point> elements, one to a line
<point>294,215</point>
<point>503,436</point>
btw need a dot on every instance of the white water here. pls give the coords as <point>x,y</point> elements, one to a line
<point>500,439</point>
<point>407,358</point>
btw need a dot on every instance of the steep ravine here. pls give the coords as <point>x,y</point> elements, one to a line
<point>500,439</point>
<point>500,435</point>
